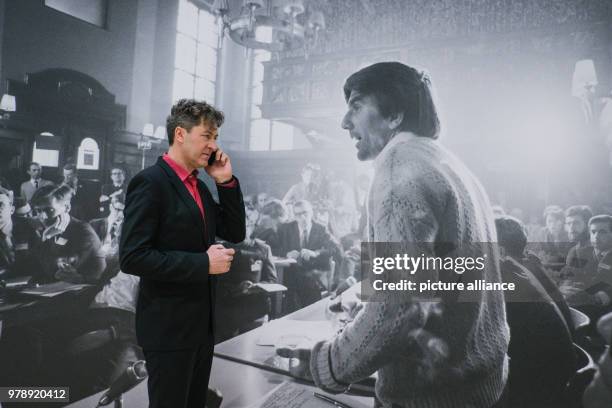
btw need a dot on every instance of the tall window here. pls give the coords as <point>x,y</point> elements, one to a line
<point>195,61</point>
<point>265,134</point>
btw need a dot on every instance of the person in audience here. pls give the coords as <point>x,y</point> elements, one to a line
<point>105,337</point>
<point>553,243</point>
<point>18,242</point>
<point>22,208</point>
<point>70,250</point>
<point>426,354</point>
<point>312,246</point>
<point>108,230</point>
<point>599,392</point>
<point>261,200</point>
<point>79,203</point>
<point>343,210</point>
<point>239,302</point>
<point>34,183</point>
<point>576,224</point>
<point>117,188</point>
<point>595,276</point>
<point>361,194</point>
<point>541,350</point>
<point>305,189</point>
<point>272,215</point>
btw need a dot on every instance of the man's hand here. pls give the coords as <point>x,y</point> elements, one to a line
<point>221,169</point>
<point>219,259</point>
<point>299,365</point>
<point>306,254</point>
<point>245,286</point>
<point>68,273</point>
<point>293,254</point>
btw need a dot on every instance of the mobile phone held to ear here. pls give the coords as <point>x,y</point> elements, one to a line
<point>212,158</point>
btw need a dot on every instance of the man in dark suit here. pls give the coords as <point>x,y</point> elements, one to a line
<point>81,203</point>
<point>113,190</point>
<point>70,250</point>
<point>169,228</point>
<point>312,246</point>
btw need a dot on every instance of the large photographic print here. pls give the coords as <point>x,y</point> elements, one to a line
<point>357,203</point>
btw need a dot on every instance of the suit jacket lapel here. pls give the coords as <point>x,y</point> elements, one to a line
<point>183,193</point>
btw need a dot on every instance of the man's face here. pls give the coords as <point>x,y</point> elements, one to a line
<point>601,236</point>
<point>6,210</point>
<point>34,171</point>
<point>117,176</point>
<point>49,211</point>
<point>366,125</point>
<point>70,176</point>
<point>261,200</point>
<point>306,176</point>
<point>575,227</point>
<point>198,144</point>
<point>251,222</point>
<point>554,225</point>
<point>303,216</point>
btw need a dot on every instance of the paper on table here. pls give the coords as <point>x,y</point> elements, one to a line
<point>293,395</point>
<point>274,332</point>
<point>54,289</point>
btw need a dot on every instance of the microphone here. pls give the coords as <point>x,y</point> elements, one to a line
<point>133,375</point>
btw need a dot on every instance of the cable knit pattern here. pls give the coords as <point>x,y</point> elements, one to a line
<point>427,354</point>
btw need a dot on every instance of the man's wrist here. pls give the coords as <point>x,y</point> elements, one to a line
<point>227,181</point>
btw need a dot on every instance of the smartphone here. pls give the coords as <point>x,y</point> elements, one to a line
<point>212,158</point>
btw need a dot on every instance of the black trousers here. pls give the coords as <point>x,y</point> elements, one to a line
<point>179,378</point>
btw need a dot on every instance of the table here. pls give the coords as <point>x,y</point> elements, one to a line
<point>238,373</point>
<point>18,309</point>
<point>244,348</point>
<point>241,385</point>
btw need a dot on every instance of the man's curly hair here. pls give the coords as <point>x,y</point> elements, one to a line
<point>188,113</point>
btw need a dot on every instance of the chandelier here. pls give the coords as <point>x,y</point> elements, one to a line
<point>273,25</point>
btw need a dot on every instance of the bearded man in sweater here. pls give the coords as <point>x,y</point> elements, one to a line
<point>444,353</point>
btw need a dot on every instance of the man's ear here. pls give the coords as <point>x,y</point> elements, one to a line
<point>179,134</point>
<point>395,120</point>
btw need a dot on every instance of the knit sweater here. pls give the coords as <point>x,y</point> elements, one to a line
<point>423,194</point>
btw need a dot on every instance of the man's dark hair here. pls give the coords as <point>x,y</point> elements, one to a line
<point>511,235</point>
<point>602,218</point>
<point>43,194</point>
<point>275,209</point>
<point>398,88</point>
<point>33,164</point>
<point>554,211</point>
<point>582,211</point>
<point>188,113</point>
<point>69,166</point>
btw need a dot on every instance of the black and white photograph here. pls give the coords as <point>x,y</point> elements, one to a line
<point>306,203</point>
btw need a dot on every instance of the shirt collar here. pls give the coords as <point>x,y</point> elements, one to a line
<point>178,169</point>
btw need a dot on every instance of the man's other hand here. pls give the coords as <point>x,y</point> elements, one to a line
<point>219,259</point>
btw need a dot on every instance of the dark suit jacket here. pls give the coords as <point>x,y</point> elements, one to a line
<point>164,241</point>
<point>319,240</point>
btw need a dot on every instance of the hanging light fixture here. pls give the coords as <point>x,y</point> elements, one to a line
<point>273,25</point>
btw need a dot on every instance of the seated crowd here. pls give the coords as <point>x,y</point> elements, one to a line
<point>309,242</point>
